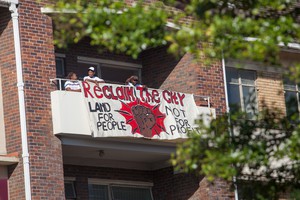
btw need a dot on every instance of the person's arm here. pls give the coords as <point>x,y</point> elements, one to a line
<point>143,86</point>
<point>78,90</point>
<point>128,80</point>
<point>99,80</point>
<point>86,79</point>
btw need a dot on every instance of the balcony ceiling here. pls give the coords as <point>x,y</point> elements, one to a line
<point>117,153</point>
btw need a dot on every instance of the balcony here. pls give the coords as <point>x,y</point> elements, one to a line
<point>83,124</point>
<point>112,110</point>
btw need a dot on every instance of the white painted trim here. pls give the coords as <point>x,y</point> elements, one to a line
<point>5,160</point>
<point>110,62</point>
<point>119,182</point>
<point>47,10</point>
<point>291,45</point>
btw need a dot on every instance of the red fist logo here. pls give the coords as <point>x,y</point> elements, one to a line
<point>145,119</point>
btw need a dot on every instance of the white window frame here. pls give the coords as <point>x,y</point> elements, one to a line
<point>240,85</point>
<point>110,63</point>
<point>121,183</point>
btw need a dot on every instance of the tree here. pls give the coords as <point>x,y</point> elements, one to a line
<point>232,145</point>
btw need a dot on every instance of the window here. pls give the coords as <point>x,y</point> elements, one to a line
<point>292,98</point>
<point>117,74</point>
<point>109,70</point>
<point>60,65</point>
<point>241,90</point>
<point>70,192</point>
<point>119,190</point>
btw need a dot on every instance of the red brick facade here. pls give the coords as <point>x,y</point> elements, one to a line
<point>160,70</point>
<point>10,102</point>
<point>38,65</point>
<point>167,186</point>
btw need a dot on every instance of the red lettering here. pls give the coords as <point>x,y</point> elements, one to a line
<point>105,90</point>
<point>166,92</point>
<point>96,90</point>
<point>120,93</point>
<point>181,97</point>
<point>129,92</point>
<point>141,92</point>
<point>155,94</point>
<point>86,89</point>
<point>174,98</point>
<point>112,93</point>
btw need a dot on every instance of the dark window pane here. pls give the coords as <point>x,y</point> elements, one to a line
<point>247,77</point>
<point>232,75</point>
<point>250,102</point>
<point>98,192</point>
<point>70,190</point>
<point>60,68</point>
<point>117,75</point>
<point>83,70</point>
<point>289,85</point>
<point>131,193</point>
<point>234,98</point>
<point>291,103</point>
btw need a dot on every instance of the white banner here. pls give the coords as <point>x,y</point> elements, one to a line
<point>124,111</point>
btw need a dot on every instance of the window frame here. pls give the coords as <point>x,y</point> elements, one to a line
<point>240,86</point>
<point>71,180</point>
<point>296,90</point>
<point>110,64</point>
<point>63,58</point>
<point>120,183</point>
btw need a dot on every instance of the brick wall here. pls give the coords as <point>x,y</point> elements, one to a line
<point>10,102</point>
<point>164,71</point>
<point>270,91</point>
<point>167,186</point>
<point>170,186</point>
<point>38,66</point>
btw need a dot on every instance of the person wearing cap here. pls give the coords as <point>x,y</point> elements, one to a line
<point>72,84</point>
<point>91,77</point>
<point>134,82</point>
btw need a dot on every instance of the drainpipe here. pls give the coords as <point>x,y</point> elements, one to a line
<point>236,196</point>
<point>25,155</point>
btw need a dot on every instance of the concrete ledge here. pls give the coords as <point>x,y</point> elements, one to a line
<point>8,160</point>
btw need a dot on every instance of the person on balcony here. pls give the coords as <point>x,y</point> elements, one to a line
<point>73,83</point>
<point>134,82</point>
<point>91,77</point>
